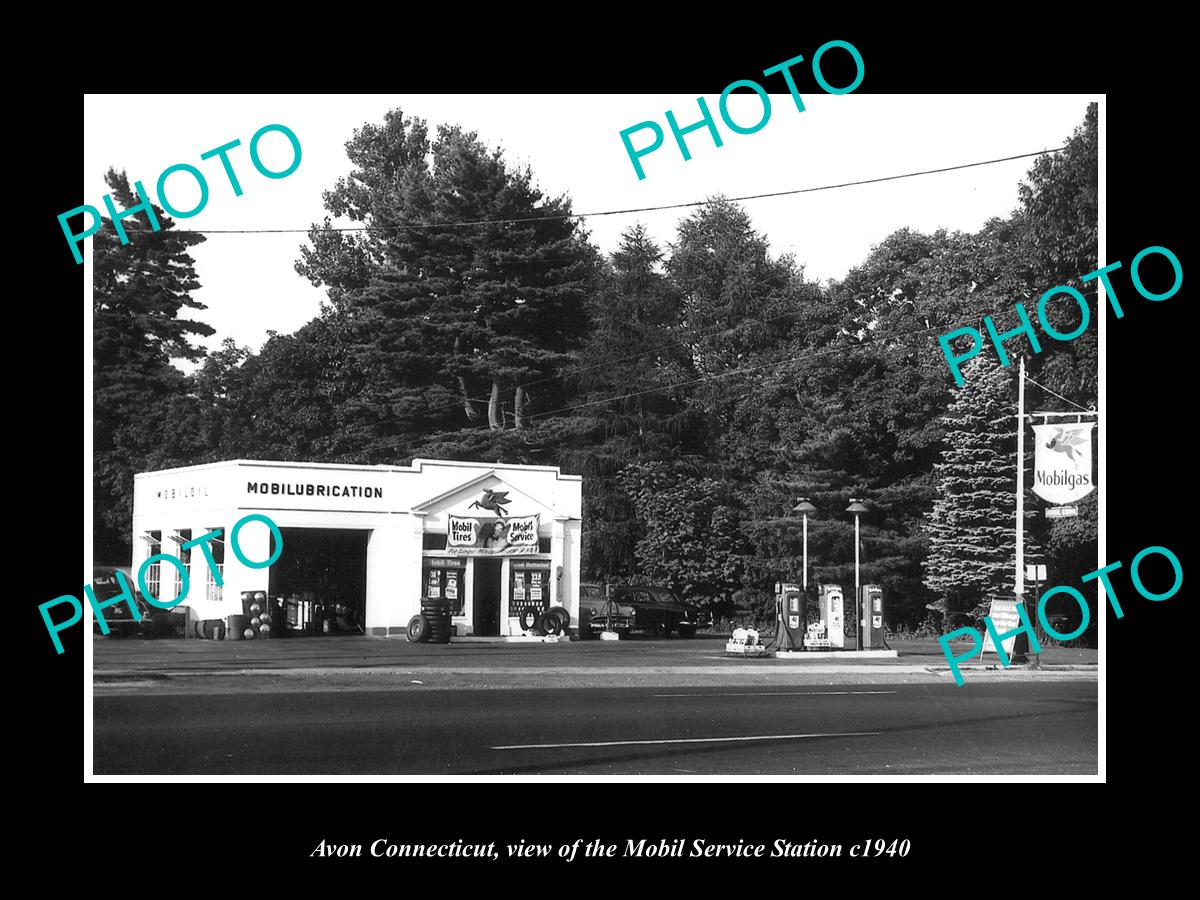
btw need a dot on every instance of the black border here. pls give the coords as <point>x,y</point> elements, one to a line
<point>1136,63</point>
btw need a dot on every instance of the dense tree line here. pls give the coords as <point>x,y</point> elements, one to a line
<point>700,387</point>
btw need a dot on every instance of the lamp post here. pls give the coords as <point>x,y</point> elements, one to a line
<point>856,507</point>
<point>804,508</point>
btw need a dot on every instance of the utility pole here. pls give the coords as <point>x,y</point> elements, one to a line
<point>1020,582</point>
<point>1021,643</point>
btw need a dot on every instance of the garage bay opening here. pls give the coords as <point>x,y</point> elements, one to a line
<point>322,577</point>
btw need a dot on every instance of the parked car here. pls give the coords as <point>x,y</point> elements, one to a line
<point>155,622</point>
<point>119,618</point>
<point>597,614</point>
<point>661,611</point>
<point>651,608</point>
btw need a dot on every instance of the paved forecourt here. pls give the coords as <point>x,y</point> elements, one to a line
<point>336,663</point>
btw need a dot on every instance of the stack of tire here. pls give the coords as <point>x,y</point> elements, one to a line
<point>553,622</point>
<point>257,615</point>
<point>432,626</point>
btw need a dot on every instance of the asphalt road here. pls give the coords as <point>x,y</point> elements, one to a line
<point>1018,728</point>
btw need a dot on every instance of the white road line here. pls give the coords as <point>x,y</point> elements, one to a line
<point>714,740</point>
<point>774,694</point>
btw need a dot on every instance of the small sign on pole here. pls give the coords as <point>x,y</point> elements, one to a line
<point>1061,512</point>
<point>1035,572</point>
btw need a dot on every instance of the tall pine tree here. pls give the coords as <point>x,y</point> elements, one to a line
<point>140,292</point>
<point>632,354</point>
<point>467,285</point>
<point>972,538</point>
<point>736,303</point>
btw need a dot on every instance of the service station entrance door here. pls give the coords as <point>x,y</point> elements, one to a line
<point>485,599</point>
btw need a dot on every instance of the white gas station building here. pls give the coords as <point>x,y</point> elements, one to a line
<point>491,539</point>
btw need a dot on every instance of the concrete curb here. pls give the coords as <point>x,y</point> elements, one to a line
<point>837,654</point>
<point>996,667</point>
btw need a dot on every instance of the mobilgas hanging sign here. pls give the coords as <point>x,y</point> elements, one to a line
<point>492,537</point>
<point>1062,462</point>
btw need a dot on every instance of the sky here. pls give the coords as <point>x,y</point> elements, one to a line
<point>573,145</point>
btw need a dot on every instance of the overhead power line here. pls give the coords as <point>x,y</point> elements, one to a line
<point>622,212</point>
<point>690,339</point>
<point>629,211</point>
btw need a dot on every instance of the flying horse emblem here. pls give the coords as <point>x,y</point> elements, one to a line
<point>493,500</point>
<point>1065,441</point>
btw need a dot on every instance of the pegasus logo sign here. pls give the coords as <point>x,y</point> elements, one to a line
<point>495,501</point>
<point>1065,442</point>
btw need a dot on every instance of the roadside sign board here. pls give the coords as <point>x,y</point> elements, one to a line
<point>1061,512</point>
<point>1004,616</point>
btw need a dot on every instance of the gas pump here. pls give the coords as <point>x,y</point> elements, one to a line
<point>832,613</point>
<point>872,607</point>
<point>789,616</point>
